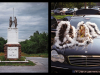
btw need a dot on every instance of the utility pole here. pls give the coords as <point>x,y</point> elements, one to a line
<point>85,4</point>
<point>55,5</point>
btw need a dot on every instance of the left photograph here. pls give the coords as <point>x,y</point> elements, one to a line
<point>24,37</point>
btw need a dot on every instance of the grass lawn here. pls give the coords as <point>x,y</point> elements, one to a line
<point>35,55</point>
<point>2,58</point>
<point>59,16</point>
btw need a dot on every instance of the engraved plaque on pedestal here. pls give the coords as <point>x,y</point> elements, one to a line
<point>12,52</point>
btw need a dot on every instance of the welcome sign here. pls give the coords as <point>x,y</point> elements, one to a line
<point>12,52</point>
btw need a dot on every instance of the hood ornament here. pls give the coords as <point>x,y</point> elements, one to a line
<point>85,51</point>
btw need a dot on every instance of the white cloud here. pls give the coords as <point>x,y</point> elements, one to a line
<point>19,40</point>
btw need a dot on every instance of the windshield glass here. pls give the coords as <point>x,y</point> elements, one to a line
<point>70,9</point>
<point>64,9</point>
<point>75,21</point>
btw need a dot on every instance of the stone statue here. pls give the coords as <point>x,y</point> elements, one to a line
<point>15,21</point>
<point>10,22</point>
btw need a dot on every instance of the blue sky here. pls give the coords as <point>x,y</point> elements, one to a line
<point>31,16</point>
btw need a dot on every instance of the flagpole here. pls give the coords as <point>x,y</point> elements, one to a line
<point>13,14</point>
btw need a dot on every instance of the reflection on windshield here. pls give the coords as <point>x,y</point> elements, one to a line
<point>75,21</point>
<point>70,9</point>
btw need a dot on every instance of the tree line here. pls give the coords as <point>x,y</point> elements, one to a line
<point>38,43</point>
<point>55,5</point>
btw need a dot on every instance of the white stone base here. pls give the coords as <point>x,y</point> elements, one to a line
<point>12,36</point>
<point>15,61</point>
<point>12,43</point>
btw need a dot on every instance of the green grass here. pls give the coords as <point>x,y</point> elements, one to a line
<point>52,13</point>
<point>59,16</point>
<point>35,55</point>
<point>2,58</point>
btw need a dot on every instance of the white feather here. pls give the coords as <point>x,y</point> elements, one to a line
<point>87,35</point>
<point>74,32</point>
<point>57,41</point>
<point>92,33</point>
<point>73,41</point>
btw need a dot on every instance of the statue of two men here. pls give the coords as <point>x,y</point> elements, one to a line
<point>10,22</point>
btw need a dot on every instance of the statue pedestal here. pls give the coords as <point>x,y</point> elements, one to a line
<point>12,37</point>
<point>12,51</point>
<point>12,48</point>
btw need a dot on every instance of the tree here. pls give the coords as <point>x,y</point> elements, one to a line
<point>38,43</point>
<point>70,4</point>
<point>2,42</point>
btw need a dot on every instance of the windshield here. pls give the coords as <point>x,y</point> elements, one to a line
<point>70,9</point>
<point>75,21</point>
<point>64,8</point>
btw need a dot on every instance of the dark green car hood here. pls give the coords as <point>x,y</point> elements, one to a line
<point>90,49</point>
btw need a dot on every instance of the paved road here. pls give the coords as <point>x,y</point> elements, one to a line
<point>39,61</point>
<point>40,67</point>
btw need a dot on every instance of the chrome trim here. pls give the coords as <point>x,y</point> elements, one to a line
<point>59,67</point>
<point>84,56</point>
<point>86,59</point>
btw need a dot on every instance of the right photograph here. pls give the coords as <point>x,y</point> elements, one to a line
<point>75,37</point>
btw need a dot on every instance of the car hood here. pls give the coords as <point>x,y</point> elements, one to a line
<point>90,49</point>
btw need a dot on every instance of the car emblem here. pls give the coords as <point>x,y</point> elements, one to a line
<point>85,51</point>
